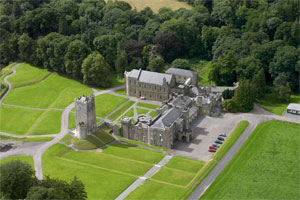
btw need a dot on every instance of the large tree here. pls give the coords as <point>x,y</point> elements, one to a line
<point>27,47</point>
<point>16,178</point>
<point>258,84</point>
<point>244,97</point>
<point>77,51</point>
<point>95,70</point>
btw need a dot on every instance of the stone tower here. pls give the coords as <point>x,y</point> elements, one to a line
<point>85,116</point>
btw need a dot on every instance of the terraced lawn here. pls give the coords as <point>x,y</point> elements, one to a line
<point>27,74</point>
<point>53,92</point>
<point>106,103</point>
<point>266,167</point>
<point>121,110</point>
<point>112,171</point>
<point>21,121</point>
<point>171,181</point>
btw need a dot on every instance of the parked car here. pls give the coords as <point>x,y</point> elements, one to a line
<point>221,138</point>
<point>212,147</point>
<point>223,135</point>
<point>216,145</point>
<point>212,150</point>
<point>219,142</point>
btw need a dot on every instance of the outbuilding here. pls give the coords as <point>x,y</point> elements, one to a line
<point>293,108</point>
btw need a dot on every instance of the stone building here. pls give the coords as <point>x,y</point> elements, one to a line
<point>149,85</point>
<point>183,76</point>
<point>85,116</point>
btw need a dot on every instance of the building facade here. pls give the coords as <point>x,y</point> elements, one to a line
<point>85,116</point>
<point>182,76</point>
<point>148,85</point>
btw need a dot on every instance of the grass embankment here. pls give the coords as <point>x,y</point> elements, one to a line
<point>27,74</point>
<point>21,121</point>
<point>53,92</point>
<point>155,5</point>
<point>3,73</point>
<point>36,139</point>
<point>170,182</point>
<point>264,168</point>
<point>26,159</point>
<point>112,171</point>
<point>141,143</point>
<point>122,92</point>
<point>121,110</point>
<point>268,103</point>
<point>94,141</point>
<point>67,139</point>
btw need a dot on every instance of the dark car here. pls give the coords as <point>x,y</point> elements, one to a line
<point>219,142</point>
<point>211,150</point>
<point>212,147</point>
<point>223,135</point>
<point>221,138</point>
<point>216,145</point>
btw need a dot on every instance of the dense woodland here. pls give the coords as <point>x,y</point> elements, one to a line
<point>255,42</point>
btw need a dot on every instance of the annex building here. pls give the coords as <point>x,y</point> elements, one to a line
<point>183,101</point>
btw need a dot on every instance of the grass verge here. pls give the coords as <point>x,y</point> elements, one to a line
<point>121,110</point>
<point>147,105</point>
<point>26,159</point>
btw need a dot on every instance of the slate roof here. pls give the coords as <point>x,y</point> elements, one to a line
<point>150,77</point>
<point>182,72</point>
<point>294,106</point>
<point>168,118</point>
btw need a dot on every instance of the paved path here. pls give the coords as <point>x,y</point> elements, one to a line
<point>141,179</point>
<point>7,82</point>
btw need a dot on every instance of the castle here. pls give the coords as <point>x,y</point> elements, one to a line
<point>85,116</point>
<point>182,101</point>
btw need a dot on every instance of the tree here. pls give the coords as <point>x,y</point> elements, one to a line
<point>248,67</point>
<point>16,178</point>
<point>228,94</point>
<point>95,70</point>
<point>168,45</point>
<point>156,64</point>
<point>181,63</point>
<point>77,51</point>
<point>258,84</point>
<point>121,63</point>
<point>285,61</point>
<point>223,72</point>
<point>133,49</point>
<point>27,47</point>
<point>281,88</point>
<point>243,97</point>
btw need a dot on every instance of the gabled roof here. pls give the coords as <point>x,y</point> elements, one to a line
<point>182,72</point>
<point>294,106</point>
<point>168,118</point>
<point>150,77</point>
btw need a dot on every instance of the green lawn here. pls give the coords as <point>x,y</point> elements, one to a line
<point>67,139</point>
<point>23,121</point>
<point>152,114</point>
<point>27,74</point>
<point>268,103</point>
<point>171,181</point>
<point>266,167</point>
<point>106,103</point>
<point>130,113</point>
<point>122,92</point>
<point>203,68</point>
<point>53,92</point>
<point>94,141</point>
<point>27,159</point>
<point>105,174</point>
<point>121,110</point>
<point>141,111</point>
<point>72,121</point>
<point>146,105</point>
<point>141,143</point>
<point>35,139</point>
<point>61,162</point>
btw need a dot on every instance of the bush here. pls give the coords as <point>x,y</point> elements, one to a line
<point>228,94</point>
<point>229,105</point>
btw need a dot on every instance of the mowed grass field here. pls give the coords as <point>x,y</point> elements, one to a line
<point>155,5</point>
<point>266,167</point>
<point>26,159</point>
<point>171,181</point>
<point>104,174</point>
<point>53,92</point>
<point>268,103</point>
<point>22,121</point>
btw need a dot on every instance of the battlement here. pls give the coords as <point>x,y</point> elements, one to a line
<point>85,99</point>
